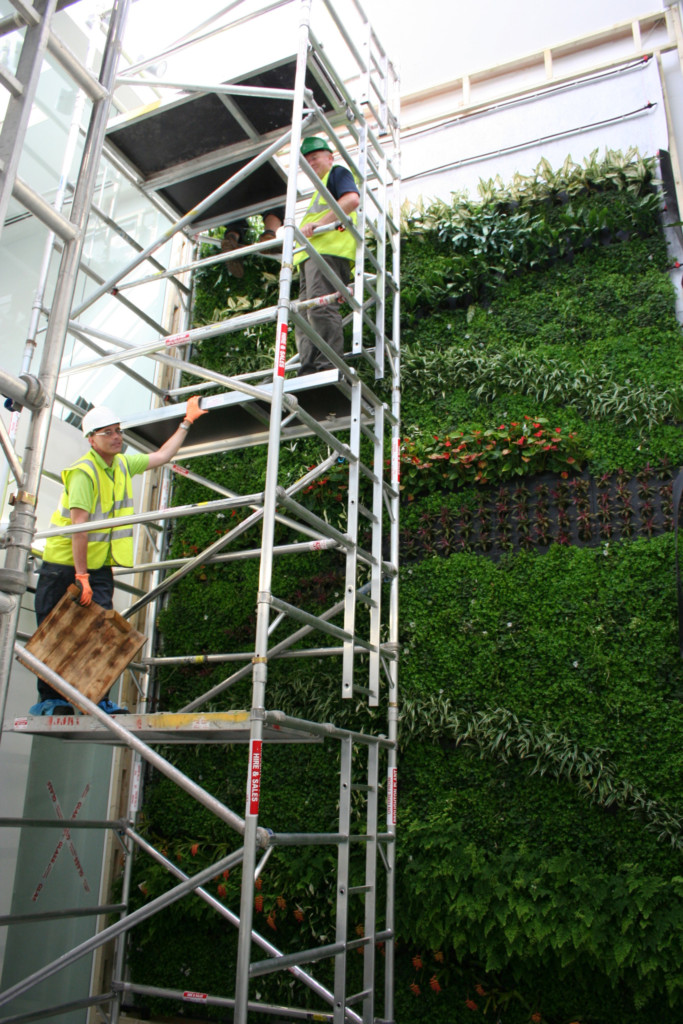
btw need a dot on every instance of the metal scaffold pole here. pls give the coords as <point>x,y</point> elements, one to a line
<point>351,101</point>
<point>22,520</point>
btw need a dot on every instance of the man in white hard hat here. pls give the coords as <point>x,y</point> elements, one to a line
<point>97,486</point>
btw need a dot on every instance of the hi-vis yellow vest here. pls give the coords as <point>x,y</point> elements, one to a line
<point>328,243</point>
<point>111,498</point>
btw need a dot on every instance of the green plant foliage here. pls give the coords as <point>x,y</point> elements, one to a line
<point>528,227</point>
<point>540,819</point>
<point>544,380</point>
<point>486,456</point>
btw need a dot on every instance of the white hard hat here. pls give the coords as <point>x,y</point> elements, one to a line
<point>97,418</point>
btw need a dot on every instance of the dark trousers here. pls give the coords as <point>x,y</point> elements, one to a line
<point>53,582</point>
<point>326,320</point>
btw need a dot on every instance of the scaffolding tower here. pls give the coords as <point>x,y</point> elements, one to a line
<point>212,153</point>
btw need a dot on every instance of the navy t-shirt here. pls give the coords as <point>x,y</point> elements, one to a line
<point>340,182</point>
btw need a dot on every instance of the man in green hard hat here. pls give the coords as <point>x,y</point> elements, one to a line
<point>337,247</point>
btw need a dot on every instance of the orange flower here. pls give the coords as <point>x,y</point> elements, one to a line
<point>258,884</point>
<point>434,983</point>
<point>536,1018</point>
<point>281,902</point>
<point>222,891</point>
<point>299,915</point>
<point>438,956</point>
<point>258,904</point>
<point>270,921</point>
<point>194,849</point>
<point>480,990</point>
<point>471,1005</point>
<point>415,988</point>
<point>417,962</point>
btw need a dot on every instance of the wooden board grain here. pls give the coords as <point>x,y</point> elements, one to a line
<point>87,645</point>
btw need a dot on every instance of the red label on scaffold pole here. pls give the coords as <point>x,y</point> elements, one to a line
<point>282,350</point>
<point>195,997</point>
<point>177,339</point>
<point>254,775</point>
<point>135,788</point>
<point>179,469</point>
<point>395,459</point>
<point>392,783</point>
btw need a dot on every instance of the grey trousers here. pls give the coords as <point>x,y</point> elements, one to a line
<point>326,320</point>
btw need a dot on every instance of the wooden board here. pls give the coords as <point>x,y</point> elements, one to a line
<point>86,644</point>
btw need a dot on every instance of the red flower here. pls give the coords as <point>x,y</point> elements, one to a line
<point>558,430</point>
<point>471,1005</point>
<point>298,915</point>
<point>536,1018</point>
<point>447,444</point>
<point>417,962</point>
<point>258,904</point>
<point>521,440</point>
<point>538,433</point>
<point>502,426</point>
<point>571,461</point>
<point>270,921</point>
<point>415,988</point>
<point>258,883</point>
<point>516,424</point>
<point>480,990</point>
<point>226,873</point>
<point>194,849</point>
<point>434,983</point>
<point>222,891</point>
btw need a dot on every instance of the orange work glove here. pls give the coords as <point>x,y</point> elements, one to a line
<point>193,412</point>
<point>86,590</point>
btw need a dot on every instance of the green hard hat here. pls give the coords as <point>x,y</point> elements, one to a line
<point>312,143</point>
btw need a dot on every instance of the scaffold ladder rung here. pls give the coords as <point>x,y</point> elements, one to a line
<point>358,997</point>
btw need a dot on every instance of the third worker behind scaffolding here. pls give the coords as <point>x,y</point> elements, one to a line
<point>337,247</point>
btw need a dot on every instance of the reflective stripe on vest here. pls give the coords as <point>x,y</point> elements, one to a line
<point>111,498</point>
<point>328,243</point>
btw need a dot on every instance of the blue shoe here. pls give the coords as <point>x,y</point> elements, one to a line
<point>51,707</point>
<point>110,708</point>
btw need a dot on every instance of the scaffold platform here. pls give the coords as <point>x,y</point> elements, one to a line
<point>162,727</point>
<point>185,148</point>
<point>237,420</point>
